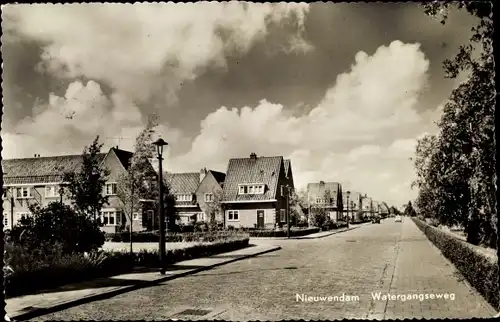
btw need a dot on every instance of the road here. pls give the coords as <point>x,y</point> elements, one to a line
<point>387,257</point>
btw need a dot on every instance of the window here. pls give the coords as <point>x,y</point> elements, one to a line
<point>5,220</point>
<point>318,200</point>
<point>233,215</point>
<point>209,197</point>
<point>23,193</point>
<point>110,189</point>
<point>111,218</point>
<point>251,189</point>
<point>282,215</point>
<point>135,216</point>
<point>184,197</point>
<point>201,216</point>
<point>51,191</point>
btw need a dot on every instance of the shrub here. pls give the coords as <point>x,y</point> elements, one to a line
<point>48,267</point>
<point>172,237</point>
<point>481,272</point>
<point>294,232</point>
<point>58,224</point>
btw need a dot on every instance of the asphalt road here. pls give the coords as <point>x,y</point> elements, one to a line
<point>334,277</point>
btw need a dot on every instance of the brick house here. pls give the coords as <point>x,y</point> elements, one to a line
<point>252,193</point>
<point>326,196</point>
<point>195,192</point>
<point>39,181</point>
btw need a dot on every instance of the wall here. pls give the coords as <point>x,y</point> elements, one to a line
<point>208,185</point>
<point>248,214</point>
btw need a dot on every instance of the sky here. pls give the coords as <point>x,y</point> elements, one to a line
<point>343,90</point>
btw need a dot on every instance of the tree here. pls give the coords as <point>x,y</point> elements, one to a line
<point>457,172</point>
<point>138,182</point>
<point>85,187</point>
<point>409,211</point>
<point>298,206</point>
<point>58,224</point>
<point>214,209</point>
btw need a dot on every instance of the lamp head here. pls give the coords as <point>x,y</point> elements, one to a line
<point>160,143</point>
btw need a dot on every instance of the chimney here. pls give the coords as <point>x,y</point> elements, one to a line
<point>253,156</point>
<point>203,173</point>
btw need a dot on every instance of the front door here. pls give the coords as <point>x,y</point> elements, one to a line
<point>260,219</point>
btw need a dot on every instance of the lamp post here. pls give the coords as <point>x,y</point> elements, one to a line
<point>348,194</point>
<point>159,148</point>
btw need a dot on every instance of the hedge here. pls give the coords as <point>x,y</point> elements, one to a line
<point>32,273</point>
<point>154,236</point>
<point>294,232</point>
<point>480,271</point>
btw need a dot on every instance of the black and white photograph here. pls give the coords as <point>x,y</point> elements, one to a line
<point>243,161</point>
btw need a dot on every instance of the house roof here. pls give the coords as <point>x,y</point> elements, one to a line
<point>287,166</point>
<point>318,189</point>
<point>220,177</point>
<point>125,157</point>
<point>182,183</point>
<point>258,170</point>
<point>51,169</point>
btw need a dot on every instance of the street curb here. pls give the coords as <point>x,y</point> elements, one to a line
<point>36,312</point>
<point>304,237</point>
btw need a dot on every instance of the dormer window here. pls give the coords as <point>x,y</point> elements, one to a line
<point>23,193</point>
<point>250,189</point>
<point>184,197</point>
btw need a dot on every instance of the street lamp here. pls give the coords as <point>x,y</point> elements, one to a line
<point>348,194</point>
<point>159,148</point>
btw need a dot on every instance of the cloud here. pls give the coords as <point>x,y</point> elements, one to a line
<point>351,136</point>
<point>146,50</point>
<point>67,123</point>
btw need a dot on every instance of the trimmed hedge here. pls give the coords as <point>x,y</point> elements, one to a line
<point>481,272</point>
<point>294,232</point>
<point>154,236</point>
<point>33,273</point>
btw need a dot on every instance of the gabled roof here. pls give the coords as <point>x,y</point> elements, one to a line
<point>220,177</point>
<point>51,169</point>
<point>124,157</point>
<point>258,170</point>
<point>318,189</point>
<point>287,166</point>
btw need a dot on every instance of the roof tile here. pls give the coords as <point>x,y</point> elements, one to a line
<point>263,170</point>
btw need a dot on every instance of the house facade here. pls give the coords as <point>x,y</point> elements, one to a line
<point>255,192</point>
<point>196,194</point>
<point>39,181</point>
<point>326,196</point>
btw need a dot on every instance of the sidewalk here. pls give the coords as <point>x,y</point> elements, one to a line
<point>420,268</point>
<point>30,306</point>
<point>320,234</point>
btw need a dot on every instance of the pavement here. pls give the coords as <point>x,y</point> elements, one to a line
<point>29,306</point>
<point>344,275</point>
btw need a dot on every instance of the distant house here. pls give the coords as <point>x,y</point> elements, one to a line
<point>355,205</point>
<point>39,181</point>
<point>325,196</point>
<point>194,193</point>
<point>252,194</point>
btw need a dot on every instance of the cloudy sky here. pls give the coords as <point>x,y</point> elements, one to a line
<point>343,90</point>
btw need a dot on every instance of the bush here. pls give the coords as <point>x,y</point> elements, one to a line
<point>58,224</point>
<point>48,267</point>
<point>294,232</point>
<point>171,237</point>
<point>481,272</point>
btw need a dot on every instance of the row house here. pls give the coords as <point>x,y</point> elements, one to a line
<point>256,192</point>
<point>197,195</point>
<point>39,181</point>
<point>326,196</point>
